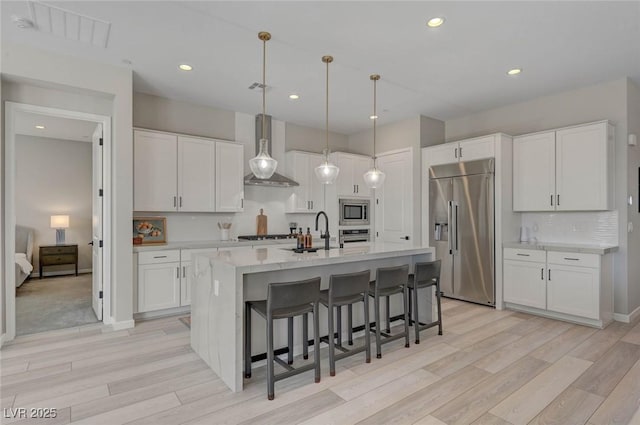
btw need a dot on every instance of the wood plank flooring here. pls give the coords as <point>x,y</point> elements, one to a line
<point>489,367</point>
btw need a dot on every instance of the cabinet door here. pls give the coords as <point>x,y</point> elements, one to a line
<point>582,173</point>
<point>316,189</point>
<point>196,174</point>
<point>158,286</point>
<point>297,169</point>
<point>534,172</point>
<point>185,283</point>
<point>360,166</point>
<point>442,154</point>
<point>229,177</point>
<point>574,290</point>
<point>477,149</point>
<point>345,183</point>
<point>155,171</point>
<point>525,283</point>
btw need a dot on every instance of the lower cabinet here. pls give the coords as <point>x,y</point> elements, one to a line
<point>162,281</point>
<point>570,286</point>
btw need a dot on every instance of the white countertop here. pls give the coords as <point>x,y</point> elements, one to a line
<point>254,260</point>
<point>317,242</point>
<point>563,247</point>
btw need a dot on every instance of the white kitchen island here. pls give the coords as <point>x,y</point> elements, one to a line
<point>223,281</point>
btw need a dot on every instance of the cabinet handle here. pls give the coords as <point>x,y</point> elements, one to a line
<point>354,188</point>
<point>558,200</point>
<point>181,202</point>
<point>184,271</point>
<point>357,188</point>
<point>311,204</point>
<point>460,152</point>
<point>175,201</point>
<point>549,278</point>
<point>552,199</point>
<point>159,256</point>
<point>455,152</point>
<point>178,272</point>
<point>572,259</point>
<point>542,273</point>
<point>524,255</point>
<point>241,202</point>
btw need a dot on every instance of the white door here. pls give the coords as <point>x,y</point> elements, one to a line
<point>345,184</point>
<point>158,286</point>
<point>229,177</point>
<point>581,168</point>
<point>525,283</point>
<point>574,290</point>
<point>316,189</point>
<point>96,222</point>
<point>394,200</point>
<point>534,172</point>
<point>196,174</point>
<point>360,166</point>
<point>155,182</point>
<point>480,148</point>
<point>443,154</point>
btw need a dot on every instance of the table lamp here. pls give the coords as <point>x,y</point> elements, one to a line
<point>59,222</point>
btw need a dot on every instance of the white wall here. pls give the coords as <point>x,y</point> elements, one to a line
<point>101,82</point>
<point>309,139</point>
<point>633,175</point>
<point>603,101</point>
<point>54,177</point>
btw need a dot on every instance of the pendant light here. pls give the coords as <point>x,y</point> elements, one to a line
<point>327,172</point>
<point>374,178</point>
<point>263,166</point>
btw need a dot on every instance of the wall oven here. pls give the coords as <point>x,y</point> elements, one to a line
<point>354,235</point>
<point>354,212</point>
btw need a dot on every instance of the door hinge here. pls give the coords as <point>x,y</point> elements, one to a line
<point>377,201</point>
<point>100,295</point>
<point>101,141</point>
<point>100,244</point>
<point>100,192</point>
<point>376,234</point>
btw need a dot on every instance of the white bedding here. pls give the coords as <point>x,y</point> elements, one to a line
<point>23,266</point>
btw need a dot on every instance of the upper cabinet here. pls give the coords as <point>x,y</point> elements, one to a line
<point>565,170</point>
<point>464,150</point>
<point>350,181</point>
<point>308,197</point>
<point>189,174</point>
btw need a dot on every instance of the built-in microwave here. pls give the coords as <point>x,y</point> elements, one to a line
<point>354,212</point>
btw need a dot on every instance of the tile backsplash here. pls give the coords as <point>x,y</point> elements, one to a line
<point>573,227</point>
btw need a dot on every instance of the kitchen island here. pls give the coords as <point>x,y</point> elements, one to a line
<point>223,281</point>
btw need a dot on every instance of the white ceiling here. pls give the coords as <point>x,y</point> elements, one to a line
<point>54,127</point>
<point>452,71</point>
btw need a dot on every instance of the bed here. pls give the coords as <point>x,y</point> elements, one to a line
<point>24,254</point>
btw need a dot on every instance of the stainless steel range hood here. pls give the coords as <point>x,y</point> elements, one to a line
<point>276,180</point>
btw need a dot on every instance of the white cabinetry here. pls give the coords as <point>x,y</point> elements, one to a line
<point>308,197</point>
<point>350,181</point>
<point>568,286</point>
<point>564,170</point>
<point>190,174</point>
<point>464,150</point>
<point>229,177</point>
<point>159,276</point>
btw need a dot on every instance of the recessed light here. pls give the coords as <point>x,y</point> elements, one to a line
<point>185,67</point>
<point>514,71</point>
<point>40,127</point>
<point>294,96</point>
<point>373,117</point>
<point>435,22</point>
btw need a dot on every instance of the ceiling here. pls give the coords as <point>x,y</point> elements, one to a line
<point>444,73</point>
<point>54,127</point>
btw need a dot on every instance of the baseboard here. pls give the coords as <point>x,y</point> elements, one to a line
<point>125,324</point>
<point>35,274</point>
<point>627,318</point>
<point>162,313</point>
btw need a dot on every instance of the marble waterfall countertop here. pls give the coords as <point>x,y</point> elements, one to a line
<point>317,242</point>
<point>563,247</point>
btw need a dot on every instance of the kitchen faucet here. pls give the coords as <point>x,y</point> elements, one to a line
<point>326,227</point>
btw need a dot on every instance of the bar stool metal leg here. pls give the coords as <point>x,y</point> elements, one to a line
<point>332,359</point>
<point>438,295</point>
<point>339,325</point>
<point>270,365</point>
<point>388,307</point>
<point>376,308</point>
<point>247,340</point>
<point>350,323</point>
<point>290,340</point>
<point>316,340</point>
<point>367,333</point>
<point>415,314</point>
<point>305,336</point>
<point>405,299</point>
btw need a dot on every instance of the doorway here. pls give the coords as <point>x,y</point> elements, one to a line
<point>56,199</point>
<point>394,200</point>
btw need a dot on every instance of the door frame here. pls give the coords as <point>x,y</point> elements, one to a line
<point>11,109</point>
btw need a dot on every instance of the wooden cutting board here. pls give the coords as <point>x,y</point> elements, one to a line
<point>261,223</point>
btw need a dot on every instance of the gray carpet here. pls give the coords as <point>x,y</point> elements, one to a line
<point>54,303</point>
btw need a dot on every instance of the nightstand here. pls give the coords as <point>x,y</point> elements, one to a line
<point>55,255</point>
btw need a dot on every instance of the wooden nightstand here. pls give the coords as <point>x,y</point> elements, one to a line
<point>55,255</point>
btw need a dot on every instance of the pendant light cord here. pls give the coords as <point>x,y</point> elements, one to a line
<point>375,83</point>
<point>264,85</point>
<point>327,114</point>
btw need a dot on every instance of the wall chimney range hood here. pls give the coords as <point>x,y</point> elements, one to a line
<point>276,180</point>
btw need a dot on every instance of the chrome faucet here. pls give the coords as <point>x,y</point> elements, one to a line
<point>326,227</point>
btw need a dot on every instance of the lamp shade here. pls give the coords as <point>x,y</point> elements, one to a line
<point>59,221</point>
<point>327,173</point>
<point>263,166</point>
<point>374,178</point>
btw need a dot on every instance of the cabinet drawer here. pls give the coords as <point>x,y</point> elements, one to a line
<point>574,259</point>
<point>525,254</point>
<point>56,250</point>
<point>50,260</point>
<point>155,257</point>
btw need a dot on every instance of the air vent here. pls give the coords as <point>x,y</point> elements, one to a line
<point>258,86</point>
<point>70,25</point>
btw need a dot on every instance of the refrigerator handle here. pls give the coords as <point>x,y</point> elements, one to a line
<point>451,229</point>
<point>456,226</point>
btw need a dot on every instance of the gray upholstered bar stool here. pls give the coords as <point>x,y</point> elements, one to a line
<point>284,301</point>
<point>390,281</point>
<point>346,289</point>
<point>426,275</point>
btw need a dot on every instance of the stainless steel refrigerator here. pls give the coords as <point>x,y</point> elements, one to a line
<point>461,217</point>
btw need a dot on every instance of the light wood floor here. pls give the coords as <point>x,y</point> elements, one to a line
<point>490,367</point>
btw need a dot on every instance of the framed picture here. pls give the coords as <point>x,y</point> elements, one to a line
<point>151,230</point>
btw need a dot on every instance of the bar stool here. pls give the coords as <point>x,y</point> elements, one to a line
<point>426,275</point>
<point>390,281</point>
<point>346,289</point>
<point>284,300</point>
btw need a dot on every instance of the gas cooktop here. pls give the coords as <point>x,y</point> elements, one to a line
<point>264,237</point>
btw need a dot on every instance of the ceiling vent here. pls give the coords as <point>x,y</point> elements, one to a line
<point>258,86</point>
<point>70,25</point>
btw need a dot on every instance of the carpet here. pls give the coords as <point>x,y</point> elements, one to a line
<point>54,303</point>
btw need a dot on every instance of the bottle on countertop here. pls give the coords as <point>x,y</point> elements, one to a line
<point>300,244</point>
<point>308,239</point>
